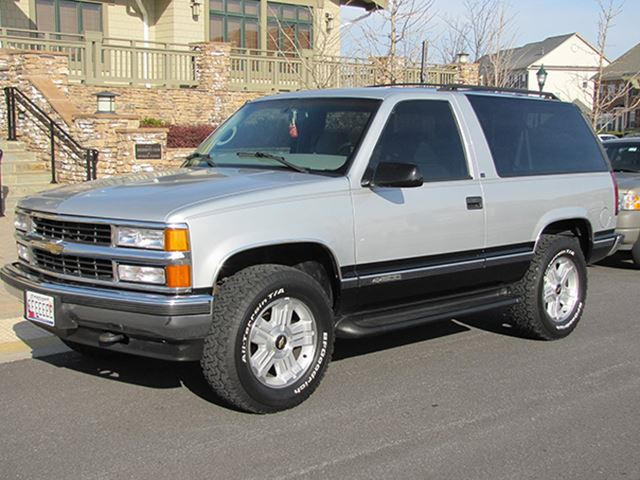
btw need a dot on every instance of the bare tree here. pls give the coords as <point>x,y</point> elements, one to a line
<point>615,97</point>
<point>485,31</point>
<point>393,36</point>
<point>454,40</point>
<point>317,65</point>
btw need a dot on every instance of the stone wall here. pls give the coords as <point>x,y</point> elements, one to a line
<point>44,78</point>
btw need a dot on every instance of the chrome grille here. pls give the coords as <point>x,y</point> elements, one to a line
<point>93,233</point>
<point>93,268</point>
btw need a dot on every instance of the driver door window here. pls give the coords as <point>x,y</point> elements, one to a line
<point>423,133</point>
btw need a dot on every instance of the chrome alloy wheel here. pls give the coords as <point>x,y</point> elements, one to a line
<point>282,342</point>
<point>561,288</point>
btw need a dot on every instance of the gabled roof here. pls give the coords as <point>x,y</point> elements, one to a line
<point>527,55</point>
<point>625,67</point>
<point>367,4</point>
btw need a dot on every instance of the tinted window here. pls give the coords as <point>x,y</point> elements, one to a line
<point>534,137</point>
<point>423,133</point>
<point>624,157</point>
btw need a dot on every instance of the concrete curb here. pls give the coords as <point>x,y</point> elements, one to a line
<point>20,339</point>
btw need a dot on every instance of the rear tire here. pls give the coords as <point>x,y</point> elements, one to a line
<point>553,291</point>
<point>270,340</point>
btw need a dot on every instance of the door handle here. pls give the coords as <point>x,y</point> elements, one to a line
<point>474,203</point>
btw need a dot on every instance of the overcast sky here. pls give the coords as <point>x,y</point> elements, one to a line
<point>538,19</point>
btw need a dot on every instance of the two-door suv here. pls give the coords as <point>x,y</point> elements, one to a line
<point>318,214</point>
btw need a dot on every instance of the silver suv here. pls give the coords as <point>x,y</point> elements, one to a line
<point>318,214</point>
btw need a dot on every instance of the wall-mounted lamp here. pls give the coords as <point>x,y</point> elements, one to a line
<point>106,102</point>
<point>195,8</point>
<point>329,21</point>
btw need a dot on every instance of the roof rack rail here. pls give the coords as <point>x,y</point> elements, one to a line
<point>473,88</point>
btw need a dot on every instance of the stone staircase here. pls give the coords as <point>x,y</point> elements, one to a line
<point>22,174</point>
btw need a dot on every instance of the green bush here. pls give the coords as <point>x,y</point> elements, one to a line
<point>150,122</point>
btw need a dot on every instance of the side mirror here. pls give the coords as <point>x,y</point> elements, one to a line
<point>397,175</point>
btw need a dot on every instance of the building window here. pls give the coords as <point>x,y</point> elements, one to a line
<point>289,27</point>
<point>235,21</point>
<point>68,16</point>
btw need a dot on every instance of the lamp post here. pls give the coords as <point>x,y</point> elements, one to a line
<point>541,75</point>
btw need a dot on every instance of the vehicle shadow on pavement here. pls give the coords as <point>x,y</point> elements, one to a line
<point>160,374</point>
<point>144,372</point>
<point>347,348</point>
<point>619,260</point>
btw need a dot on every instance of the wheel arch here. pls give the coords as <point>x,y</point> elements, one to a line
<point>292,253</point>
<point>580,227</point>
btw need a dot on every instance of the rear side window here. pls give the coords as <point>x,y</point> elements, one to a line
<point>533,137</point>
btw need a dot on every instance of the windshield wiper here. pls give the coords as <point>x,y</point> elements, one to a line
<point>277,158</point>
<point>625,170</point>
<point>205,156</point>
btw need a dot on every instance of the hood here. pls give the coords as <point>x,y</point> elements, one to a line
<point>628,181</point>
<point>155,196</point>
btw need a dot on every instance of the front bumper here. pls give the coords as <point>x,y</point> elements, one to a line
<point>169,327</point>
<point>629,226</point>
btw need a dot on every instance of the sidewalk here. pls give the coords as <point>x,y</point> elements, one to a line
<point>19,339</point>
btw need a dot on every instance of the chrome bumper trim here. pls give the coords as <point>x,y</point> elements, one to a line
<point>121,300</point>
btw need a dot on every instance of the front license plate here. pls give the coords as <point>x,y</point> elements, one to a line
<point>39,308</point>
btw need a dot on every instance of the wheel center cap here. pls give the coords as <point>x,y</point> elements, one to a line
<point>558,289</point>
<point>281,341</point>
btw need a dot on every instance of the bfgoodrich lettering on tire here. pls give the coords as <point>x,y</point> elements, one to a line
<point>553,291</point>
<point>271,338</point>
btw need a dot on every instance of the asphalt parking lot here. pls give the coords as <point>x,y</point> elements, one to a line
<point>459,399</point>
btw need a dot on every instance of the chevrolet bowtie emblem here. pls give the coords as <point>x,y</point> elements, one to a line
<point>54,248</point>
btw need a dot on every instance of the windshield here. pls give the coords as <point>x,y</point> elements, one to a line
<point>314,134</point>
<point>624,157</point>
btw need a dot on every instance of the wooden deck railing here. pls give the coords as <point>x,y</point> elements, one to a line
<point>113,61</point>
<point>278,71</point>
<point>96,60</point>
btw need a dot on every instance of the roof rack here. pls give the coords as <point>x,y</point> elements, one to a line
<point>472,88</point>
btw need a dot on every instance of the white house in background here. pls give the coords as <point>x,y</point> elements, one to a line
<point>570,61</point>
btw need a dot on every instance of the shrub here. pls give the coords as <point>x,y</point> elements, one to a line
<point>150,122</point>
<point>187,136</point>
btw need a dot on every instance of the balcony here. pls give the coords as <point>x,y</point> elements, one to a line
<point>95,60</point>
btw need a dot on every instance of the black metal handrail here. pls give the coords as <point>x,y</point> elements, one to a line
<point>12,96</point>
<point>1,191</point>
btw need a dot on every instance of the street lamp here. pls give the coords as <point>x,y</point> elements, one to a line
<point>541,75</point>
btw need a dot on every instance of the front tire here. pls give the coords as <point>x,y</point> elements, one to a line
<point>553,291</point>
<point>271,339</point>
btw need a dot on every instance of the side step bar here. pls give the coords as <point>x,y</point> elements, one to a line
<point>387,320</point>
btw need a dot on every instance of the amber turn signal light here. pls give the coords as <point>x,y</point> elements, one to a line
<point>178,276</point>
<point>176,240</point>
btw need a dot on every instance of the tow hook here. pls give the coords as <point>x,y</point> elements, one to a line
<point>109,338</point>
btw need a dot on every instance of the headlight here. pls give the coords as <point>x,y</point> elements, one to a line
<point>140,238</point>
<point>138,274</point>
<point>22,222</point>
<point>171,239</point>
<point>630,201</point>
